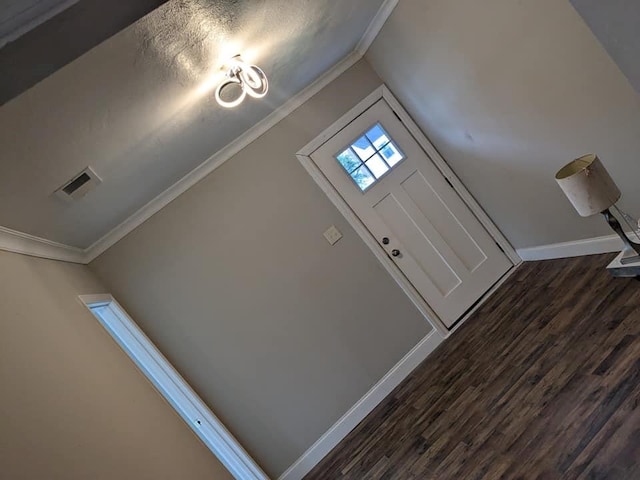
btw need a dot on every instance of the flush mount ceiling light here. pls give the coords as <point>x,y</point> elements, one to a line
<point>242,80</point>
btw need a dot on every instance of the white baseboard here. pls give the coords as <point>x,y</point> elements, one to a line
<point>578,248</point>
<point>363,407</point>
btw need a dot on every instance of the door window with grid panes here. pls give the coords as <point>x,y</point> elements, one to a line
<point>370,157</point>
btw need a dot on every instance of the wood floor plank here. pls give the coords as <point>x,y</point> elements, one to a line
<point>543,382</point>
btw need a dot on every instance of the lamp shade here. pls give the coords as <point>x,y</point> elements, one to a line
<point>588,185</point>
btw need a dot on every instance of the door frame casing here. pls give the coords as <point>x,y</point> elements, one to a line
<point>304,156</point>
<point>174,388</point>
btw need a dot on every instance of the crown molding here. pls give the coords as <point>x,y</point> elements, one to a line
<point>30,18</point>
<point>18,242</point>
<point>218,158</point>
<point>385,11</point>
<point>25,244</point>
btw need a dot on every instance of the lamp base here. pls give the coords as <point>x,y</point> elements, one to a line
<point>631,250</point>
<point>629,255</point>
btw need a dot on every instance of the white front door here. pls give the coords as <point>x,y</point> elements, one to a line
<point>409,207</point>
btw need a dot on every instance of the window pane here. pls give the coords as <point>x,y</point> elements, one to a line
<point>363,178</point>
<point>378,136</point>
<point>363,148</point>
<point>391,154</point>
<point>370,157</point>
<point>349,160</point>
<point>377,166</point>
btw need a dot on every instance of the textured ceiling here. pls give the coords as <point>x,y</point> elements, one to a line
<point>138,107</point>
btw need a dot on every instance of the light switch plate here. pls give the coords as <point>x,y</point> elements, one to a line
<point>332,235</point>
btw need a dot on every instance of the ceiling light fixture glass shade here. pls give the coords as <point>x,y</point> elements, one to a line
<point>242,80</point>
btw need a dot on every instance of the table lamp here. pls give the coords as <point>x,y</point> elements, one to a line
<point>591,190</point>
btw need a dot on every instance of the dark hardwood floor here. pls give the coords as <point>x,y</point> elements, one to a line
<point>541,383</point>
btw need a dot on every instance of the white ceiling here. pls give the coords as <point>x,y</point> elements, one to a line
<point>138,108</point>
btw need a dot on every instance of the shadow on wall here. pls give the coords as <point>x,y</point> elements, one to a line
<point>615,23</point>
<point>529,185</point>
<point>509,92</point>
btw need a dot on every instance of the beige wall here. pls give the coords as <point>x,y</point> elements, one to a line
<point>509,91</point>
<point>278,331</point>
<point>73,406</point>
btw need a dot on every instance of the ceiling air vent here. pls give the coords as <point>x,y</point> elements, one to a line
<point>79,185</point>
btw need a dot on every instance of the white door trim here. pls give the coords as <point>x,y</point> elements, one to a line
<point>304,156</point>
<point>174,388</point>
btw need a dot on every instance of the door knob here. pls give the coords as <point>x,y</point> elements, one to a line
<point>385,241</point>
<point>395,252</point>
